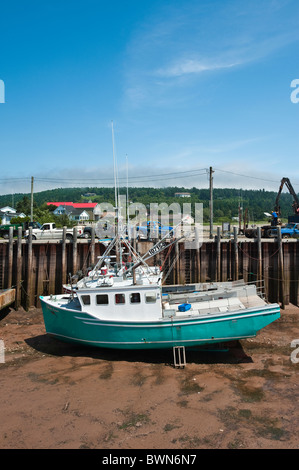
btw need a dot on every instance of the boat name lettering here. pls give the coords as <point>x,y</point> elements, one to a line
<point>157,248</point>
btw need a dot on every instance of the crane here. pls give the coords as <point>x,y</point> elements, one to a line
<point>295,204</point>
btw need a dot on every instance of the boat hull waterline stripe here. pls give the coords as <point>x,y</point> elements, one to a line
<point>216,340</point>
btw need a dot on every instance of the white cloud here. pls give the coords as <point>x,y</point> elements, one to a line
<point>187,42</point>
<point>191,66</point>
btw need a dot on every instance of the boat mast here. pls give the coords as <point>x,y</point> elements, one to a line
<point>118,243</point>
<point>127,205</point>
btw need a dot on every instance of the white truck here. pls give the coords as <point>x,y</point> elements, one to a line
<point>49,231</point>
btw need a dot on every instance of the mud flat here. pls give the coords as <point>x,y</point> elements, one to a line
<point>61,396</point>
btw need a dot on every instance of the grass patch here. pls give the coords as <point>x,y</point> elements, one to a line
<point>182,403</point>
<point>133,419</point>
<point>159,376</point>
<point>41,379</point>
<point>169,427</point>
<point>107,372</point>
<point>250,394</point>
<point>138,379</point>
<point>189,384</point>
<point>188,441</point>
<point>262,426</point>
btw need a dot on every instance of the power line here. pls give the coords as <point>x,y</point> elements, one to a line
<point>148,177</point>
<point>249,176</point>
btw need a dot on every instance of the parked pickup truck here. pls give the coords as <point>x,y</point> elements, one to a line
<point>153,230</point>
<point>290,230</point>
<point>49,231</point>
<point>4,229</point>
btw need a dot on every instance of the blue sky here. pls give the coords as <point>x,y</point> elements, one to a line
<point>188,85</point>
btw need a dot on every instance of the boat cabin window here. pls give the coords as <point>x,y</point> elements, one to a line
<point>119,298</point>
<point>102,299</point>
<point>135,298</point>
<point>150,297</point>
<point>85,299</point>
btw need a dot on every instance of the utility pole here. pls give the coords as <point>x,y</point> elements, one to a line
<point>211,202</point>
<point>31,202</point>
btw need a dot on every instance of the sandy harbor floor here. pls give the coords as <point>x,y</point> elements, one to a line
<point>61,396</point>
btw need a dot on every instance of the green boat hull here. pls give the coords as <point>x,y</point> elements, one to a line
<point>79,327</point>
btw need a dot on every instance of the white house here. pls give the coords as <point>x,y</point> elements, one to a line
<point>7,213</point>
<point>77,214</point>
<point>74,213</point>
<point>182,195</point>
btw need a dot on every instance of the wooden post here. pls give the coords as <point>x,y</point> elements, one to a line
<point>197,239</point>
<point>296,276</point>
<point>10,258</point>
<point>259,254</point>
<point>41,258</point>
<point>280,267</point>
<point>236,254</point>
<point>63,256</point>
<point>265,268</point>
<point>224,255</point>
<point>288,264</point>
<point>92,246</point>
<point>75,246</point>
<point>52,268</point>
<point>211,202</point>
<point>19,270</point>
<point>177,264</point>
<point>218,254</point>
<point>29,271</point>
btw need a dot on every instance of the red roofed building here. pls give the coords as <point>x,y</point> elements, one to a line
<point>60,204</point>
<point>66,208</point>
<point>85,205</point>
<point>79,205</point>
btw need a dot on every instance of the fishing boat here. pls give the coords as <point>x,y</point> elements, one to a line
<point>122,303</point>
<point>125,306</point>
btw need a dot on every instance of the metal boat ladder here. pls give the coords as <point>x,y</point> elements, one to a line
<point>179,356</point>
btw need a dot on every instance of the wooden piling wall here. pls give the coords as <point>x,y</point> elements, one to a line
<point>40,268</point>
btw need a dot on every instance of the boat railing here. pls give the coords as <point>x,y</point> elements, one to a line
<point>260,288</point>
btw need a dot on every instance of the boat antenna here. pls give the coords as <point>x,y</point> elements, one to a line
<point>114,165</point>
<point>127,208</point>
<point>119,249</point>
<point>72,291</point>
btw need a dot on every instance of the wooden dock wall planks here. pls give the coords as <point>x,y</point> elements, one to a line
<point>35,268</point>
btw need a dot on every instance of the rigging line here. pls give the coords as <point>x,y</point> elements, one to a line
<point>271,278</point>
<point>176,257</point>
<point>257,259</point>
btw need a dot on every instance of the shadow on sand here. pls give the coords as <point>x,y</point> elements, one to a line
<point>225,353</point>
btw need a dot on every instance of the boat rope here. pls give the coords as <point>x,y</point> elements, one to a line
<point>257,259</point>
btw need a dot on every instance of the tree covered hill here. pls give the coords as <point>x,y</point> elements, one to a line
<point>226,200</point>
